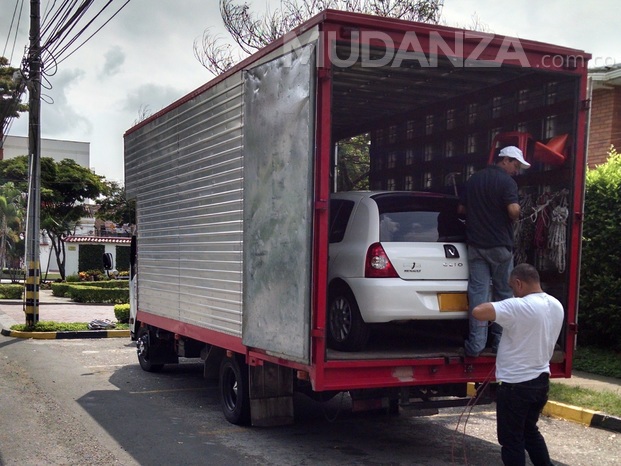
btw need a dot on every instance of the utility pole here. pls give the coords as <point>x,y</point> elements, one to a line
<point>31,307</point>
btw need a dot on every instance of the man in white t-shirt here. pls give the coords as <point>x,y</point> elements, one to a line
<point>531,323</point>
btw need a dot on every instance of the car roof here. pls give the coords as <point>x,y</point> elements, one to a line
<point>357,195</point>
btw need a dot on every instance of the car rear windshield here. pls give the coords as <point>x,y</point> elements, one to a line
<point>407,218</point>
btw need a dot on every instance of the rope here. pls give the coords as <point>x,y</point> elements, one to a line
<point>558,236</point>
<point>542,220</point>
<point>523,230</point>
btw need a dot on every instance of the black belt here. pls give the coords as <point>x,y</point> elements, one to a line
<point>536,381</point>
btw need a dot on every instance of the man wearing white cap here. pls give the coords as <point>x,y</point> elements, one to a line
<point>491,205</point>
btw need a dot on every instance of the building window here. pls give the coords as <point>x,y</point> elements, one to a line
<point>390,185</point>
<point>392,134</point>
<point>472,143</point>
<point>392,160</point>
<point>379,137</point>
<point>551,91</point>
<point>429,125</point>
<point>409,157</point>
<point>450,118</point>
<point>473,110</point>
<point>496,107</point>
<point>428,157</point>
<point>449,149</point>
<point>550,126</point>
<point>522,100</point>
<point>409,183</point>
<point>410,130</point>
<point>427,180</point>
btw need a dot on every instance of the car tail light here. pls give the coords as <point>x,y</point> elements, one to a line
<point>377,264</point>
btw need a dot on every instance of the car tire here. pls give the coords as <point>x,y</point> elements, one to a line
<point>346,329</point>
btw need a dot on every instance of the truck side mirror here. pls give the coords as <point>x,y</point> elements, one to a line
<point>107,261</point>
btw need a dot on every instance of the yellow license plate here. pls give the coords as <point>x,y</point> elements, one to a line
<point>453,302</point>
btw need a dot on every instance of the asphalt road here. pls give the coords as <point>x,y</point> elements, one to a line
<point>81,402</point>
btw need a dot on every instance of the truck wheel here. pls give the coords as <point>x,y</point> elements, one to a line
<point>346,329</point>
<point>143,347</point>
<point>234,396</point>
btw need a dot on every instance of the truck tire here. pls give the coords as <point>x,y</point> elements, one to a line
<point>143,348</point>
<point>234,395</point>
<point>346,329</point>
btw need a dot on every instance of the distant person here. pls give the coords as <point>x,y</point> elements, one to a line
<point>531,323</point>
<point>491,206</point>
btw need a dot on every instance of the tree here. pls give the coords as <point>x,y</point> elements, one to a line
<point>65,186</point>
<point>252,33</point>
<point>11,219</point>
<point>11,90</point>
<point>353,163</point>
<point>600,272</point>
<point>115,205</point>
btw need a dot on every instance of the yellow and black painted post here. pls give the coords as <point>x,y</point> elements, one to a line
<point>31,304</point>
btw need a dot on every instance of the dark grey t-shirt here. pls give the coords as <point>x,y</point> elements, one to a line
<point>486,197</point>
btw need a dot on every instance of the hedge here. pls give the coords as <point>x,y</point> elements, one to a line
<point>599,316</point>
<point>13,291</point>
<point>93,292</point>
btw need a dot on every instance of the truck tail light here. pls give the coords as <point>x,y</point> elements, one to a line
<point>377,264</point>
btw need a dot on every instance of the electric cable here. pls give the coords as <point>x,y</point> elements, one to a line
<point>468,408</point>
<point>16,29</point>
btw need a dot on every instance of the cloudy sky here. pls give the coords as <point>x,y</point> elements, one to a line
<point>143,59</point>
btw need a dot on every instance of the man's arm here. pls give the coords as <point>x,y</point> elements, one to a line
<point>484,311</point>
<point>514,211</point>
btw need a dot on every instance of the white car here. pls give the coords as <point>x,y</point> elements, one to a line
<point>394,256</point>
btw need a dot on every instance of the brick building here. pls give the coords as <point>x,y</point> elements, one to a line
<point>605,124</point>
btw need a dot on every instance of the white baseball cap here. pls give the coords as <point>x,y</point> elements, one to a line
<point>514,153</point>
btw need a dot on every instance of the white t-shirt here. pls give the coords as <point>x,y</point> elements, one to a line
<point>530,328</point>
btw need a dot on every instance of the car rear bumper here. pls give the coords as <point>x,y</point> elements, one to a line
<point>409,299</point>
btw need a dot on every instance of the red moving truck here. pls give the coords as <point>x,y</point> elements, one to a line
<point>233,184</point>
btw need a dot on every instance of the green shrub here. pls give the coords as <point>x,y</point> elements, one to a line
<point>60,289</point>
<point>92,294</point>
<point>121,312</point>
<point>121,284</point>
<point>12,291</point>
<point>600,274</point>
<point>73,278</point>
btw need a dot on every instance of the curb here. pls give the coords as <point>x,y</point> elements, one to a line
<point>582,416</point>
<point>67,335</point>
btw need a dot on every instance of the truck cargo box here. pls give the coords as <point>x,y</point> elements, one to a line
<point>232,185</point>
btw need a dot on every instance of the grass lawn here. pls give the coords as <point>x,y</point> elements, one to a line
<point>595,361</point>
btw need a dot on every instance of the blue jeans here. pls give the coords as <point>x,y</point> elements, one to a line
<point>518,407</point>
<point>486,265</point>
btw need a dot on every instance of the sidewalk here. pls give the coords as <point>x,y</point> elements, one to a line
<point>65,310</point>
<point>57,309</point>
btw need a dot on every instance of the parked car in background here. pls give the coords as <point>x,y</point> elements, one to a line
<point>394,256</point>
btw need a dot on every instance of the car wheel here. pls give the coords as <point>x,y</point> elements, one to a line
<point>234,395</point>
<point>144,349</point>
<point>346,329</point>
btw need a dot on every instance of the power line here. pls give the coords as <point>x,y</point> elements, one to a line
<point>19,3</point>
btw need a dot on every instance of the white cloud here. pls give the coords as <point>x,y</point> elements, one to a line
<point>113,61</point>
